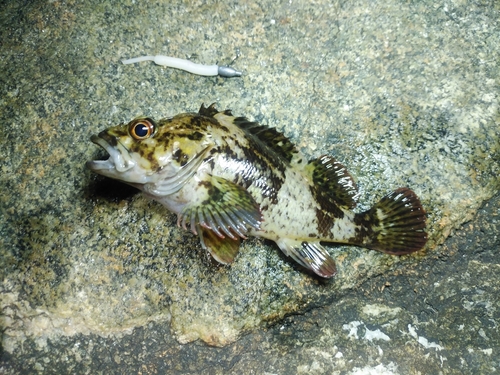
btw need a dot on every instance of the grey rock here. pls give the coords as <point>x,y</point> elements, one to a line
<point>402,94</point>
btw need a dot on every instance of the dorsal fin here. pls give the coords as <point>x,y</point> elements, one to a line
<point>272,138</point>
<point>332,184</point>
<point>211,111</point>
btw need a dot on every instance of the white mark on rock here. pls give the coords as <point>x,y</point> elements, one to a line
<point>381,369</point>
<point>352,327</point>
<point>422,340</point>
<point>376,335</point>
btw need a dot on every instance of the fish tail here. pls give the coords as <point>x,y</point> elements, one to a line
<point>395,225</point>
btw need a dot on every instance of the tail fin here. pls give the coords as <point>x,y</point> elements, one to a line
<point>396,224</point>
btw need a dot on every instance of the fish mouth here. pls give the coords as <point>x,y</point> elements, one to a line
<point>116,151</point>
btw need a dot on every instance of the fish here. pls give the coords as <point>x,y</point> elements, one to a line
<point>228,178</point>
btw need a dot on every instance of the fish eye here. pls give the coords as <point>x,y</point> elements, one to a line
<point>141,130</point>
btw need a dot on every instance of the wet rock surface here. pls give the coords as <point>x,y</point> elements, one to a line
<point>96,277</point>
<point>439,315</point>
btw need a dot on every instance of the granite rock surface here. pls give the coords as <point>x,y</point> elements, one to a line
<point>402,94</point>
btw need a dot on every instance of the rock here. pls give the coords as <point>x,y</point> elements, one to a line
<point>403,95</point>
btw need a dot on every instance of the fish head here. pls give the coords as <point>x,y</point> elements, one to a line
<point>145,151</point>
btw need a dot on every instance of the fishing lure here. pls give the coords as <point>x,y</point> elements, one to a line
<point>188,66</point>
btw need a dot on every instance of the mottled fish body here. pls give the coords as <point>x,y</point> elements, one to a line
<point>227,178</point>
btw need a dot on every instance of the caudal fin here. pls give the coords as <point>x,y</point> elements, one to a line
<point>396,224</point>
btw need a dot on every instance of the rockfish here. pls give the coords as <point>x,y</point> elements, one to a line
<point>228,178</point>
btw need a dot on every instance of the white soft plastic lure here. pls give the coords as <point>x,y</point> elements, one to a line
<point>188,66</point>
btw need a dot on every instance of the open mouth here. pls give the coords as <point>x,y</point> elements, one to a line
<point>99,165</point>
<point>119,156</point>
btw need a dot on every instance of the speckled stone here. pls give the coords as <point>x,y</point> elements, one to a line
<point>404,94</point>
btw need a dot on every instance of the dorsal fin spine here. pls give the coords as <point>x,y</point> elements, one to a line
<point>271,137</point>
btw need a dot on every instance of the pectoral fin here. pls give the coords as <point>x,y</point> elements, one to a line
<point>223,207</point>
<point>310,255</point>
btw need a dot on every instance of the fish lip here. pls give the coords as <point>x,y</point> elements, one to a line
<point>115,160</point>
<point>98,165</point>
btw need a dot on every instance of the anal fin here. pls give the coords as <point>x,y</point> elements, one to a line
<point>311,255</point>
